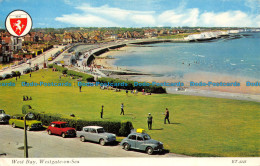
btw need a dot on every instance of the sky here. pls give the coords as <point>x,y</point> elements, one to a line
<point>136,13</point>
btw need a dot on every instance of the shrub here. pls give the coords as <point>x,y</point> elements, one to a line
<point>126,128</point>
<point>1,78</point>
<point>130,85</point>
<point>50,65</point>
<point>85,77</point>
<point>15,73</point>
<point>26,109</point>
<point>116,127</point>
<point>61,69</point>
<point>18,73</point>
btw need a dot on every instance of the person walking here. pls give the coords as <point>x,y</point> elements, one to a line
<point>149,121</point>
<point>80,88</point>
<point>166,116</point>
<point>122,109</point>
<point>101,113</point>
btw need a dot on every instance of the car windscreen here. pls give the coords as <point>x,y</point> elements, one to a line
<point>63,125</point>
<point>101,130</point>
<point>147,137</point>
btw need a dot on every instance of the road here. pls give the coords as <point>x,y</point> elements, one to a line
<point>43,145</point>
<point>37,60</point>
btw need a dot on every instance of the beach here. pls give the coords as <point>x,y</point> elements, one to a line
<point>241,92</point>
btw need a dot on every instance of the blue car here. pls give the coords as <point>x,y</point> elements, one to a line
<point>141,141</point>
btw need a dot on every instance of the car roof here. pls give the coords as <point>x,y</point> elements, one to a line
<point>135,133</point>
<point>21,115</point>
<point>59,122</point>
<point>94,127</point>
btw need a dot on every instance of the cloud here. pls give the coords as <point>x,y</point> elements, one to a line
<point>106,16</point>
<point>86,20</point>
<point>228,19</point>
<point>254,5</point>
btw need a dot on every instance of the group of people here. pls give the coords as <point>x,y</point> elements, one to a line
<point>25,98</point>
<point>149,118</point>
<point>102,110</point>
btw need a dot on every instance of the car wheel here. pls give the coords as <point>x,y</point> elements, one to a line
<point>82,139</point>
<point>126,146</point>
<point>49,132</point>
<point>102,142</point>
<point>28,128</point>
<point>63,135</point>
<point>13,125</point>
<point>149,150</point>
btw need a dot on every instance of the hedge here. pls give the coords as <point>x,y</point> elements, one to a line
<point>130,85</point>
<point>61,69</point>
<point>116,127</point>
<point>16,73</point>
<point>85,77</point>
<point>1,78</point>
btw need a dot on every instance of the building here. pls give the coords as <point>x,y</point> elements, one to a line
<point>9,45</point>
<point>68,38</point>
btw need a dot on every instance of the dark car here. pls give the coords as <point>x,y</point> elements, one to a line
<point>141,141</point>
<point>61,128</point>
<point>4,118</point>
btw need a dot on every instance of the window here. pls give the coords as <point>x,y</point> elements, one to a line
<point>147,137</point>
<point>86,130</point>
<point>140,138</point>
<point>133,137</point>
<point>57,125</point>
<point>101,130</point>
<point>64,125</point>
<point>92,130</point>
<point>52,125</point>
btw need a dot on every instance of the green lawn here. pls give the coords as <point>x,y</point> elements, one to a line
<point>200,126</point>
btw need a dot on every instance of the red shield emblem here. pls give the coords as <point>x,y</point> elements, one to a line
<point>18,25</point>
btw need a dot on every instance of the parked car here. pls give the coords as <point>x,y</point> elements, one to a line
<point>96,134</point>
<point>50,59</point>
<point>141,141</point>
<point>18,121</point>
<point>4,118</point>
<point>61,128</point>
<point>6,76</point>
<point>27,70</point>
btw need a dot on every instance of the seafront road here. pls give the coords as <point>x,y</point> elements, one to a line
<point>37,60</point>
<point>42,145</point>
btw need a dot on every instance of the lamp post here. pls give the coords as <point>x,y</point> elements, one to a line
<point>25,137</point>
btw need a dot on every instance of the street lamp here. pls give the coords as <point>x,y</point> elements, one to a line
<point>25,135</point>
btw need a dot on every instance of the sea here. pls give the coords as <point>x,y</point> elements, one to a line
<point>237,57</point>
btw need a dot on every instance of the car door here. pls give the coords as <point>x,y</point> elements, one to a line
<point>51,127</point>
<point>93,134</point>
<point>57,129</point>
<point>96,136</point>
<point>132,140</point>
<point>86,133</point>
<point>139,142</point>
<point>19,122</point>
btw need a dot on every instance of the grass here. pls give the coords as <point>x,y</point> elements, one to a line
<point>200,126</point>
<point>177,36</point>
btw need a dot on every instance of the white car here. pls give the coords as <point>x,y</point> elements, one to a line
<point>96,134</point>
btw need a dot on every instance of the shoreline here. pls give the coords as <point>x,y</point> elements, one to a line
<point>242,92</point>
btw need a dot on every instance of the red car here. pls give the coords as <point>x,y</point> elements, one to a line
<point>61,128</point>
